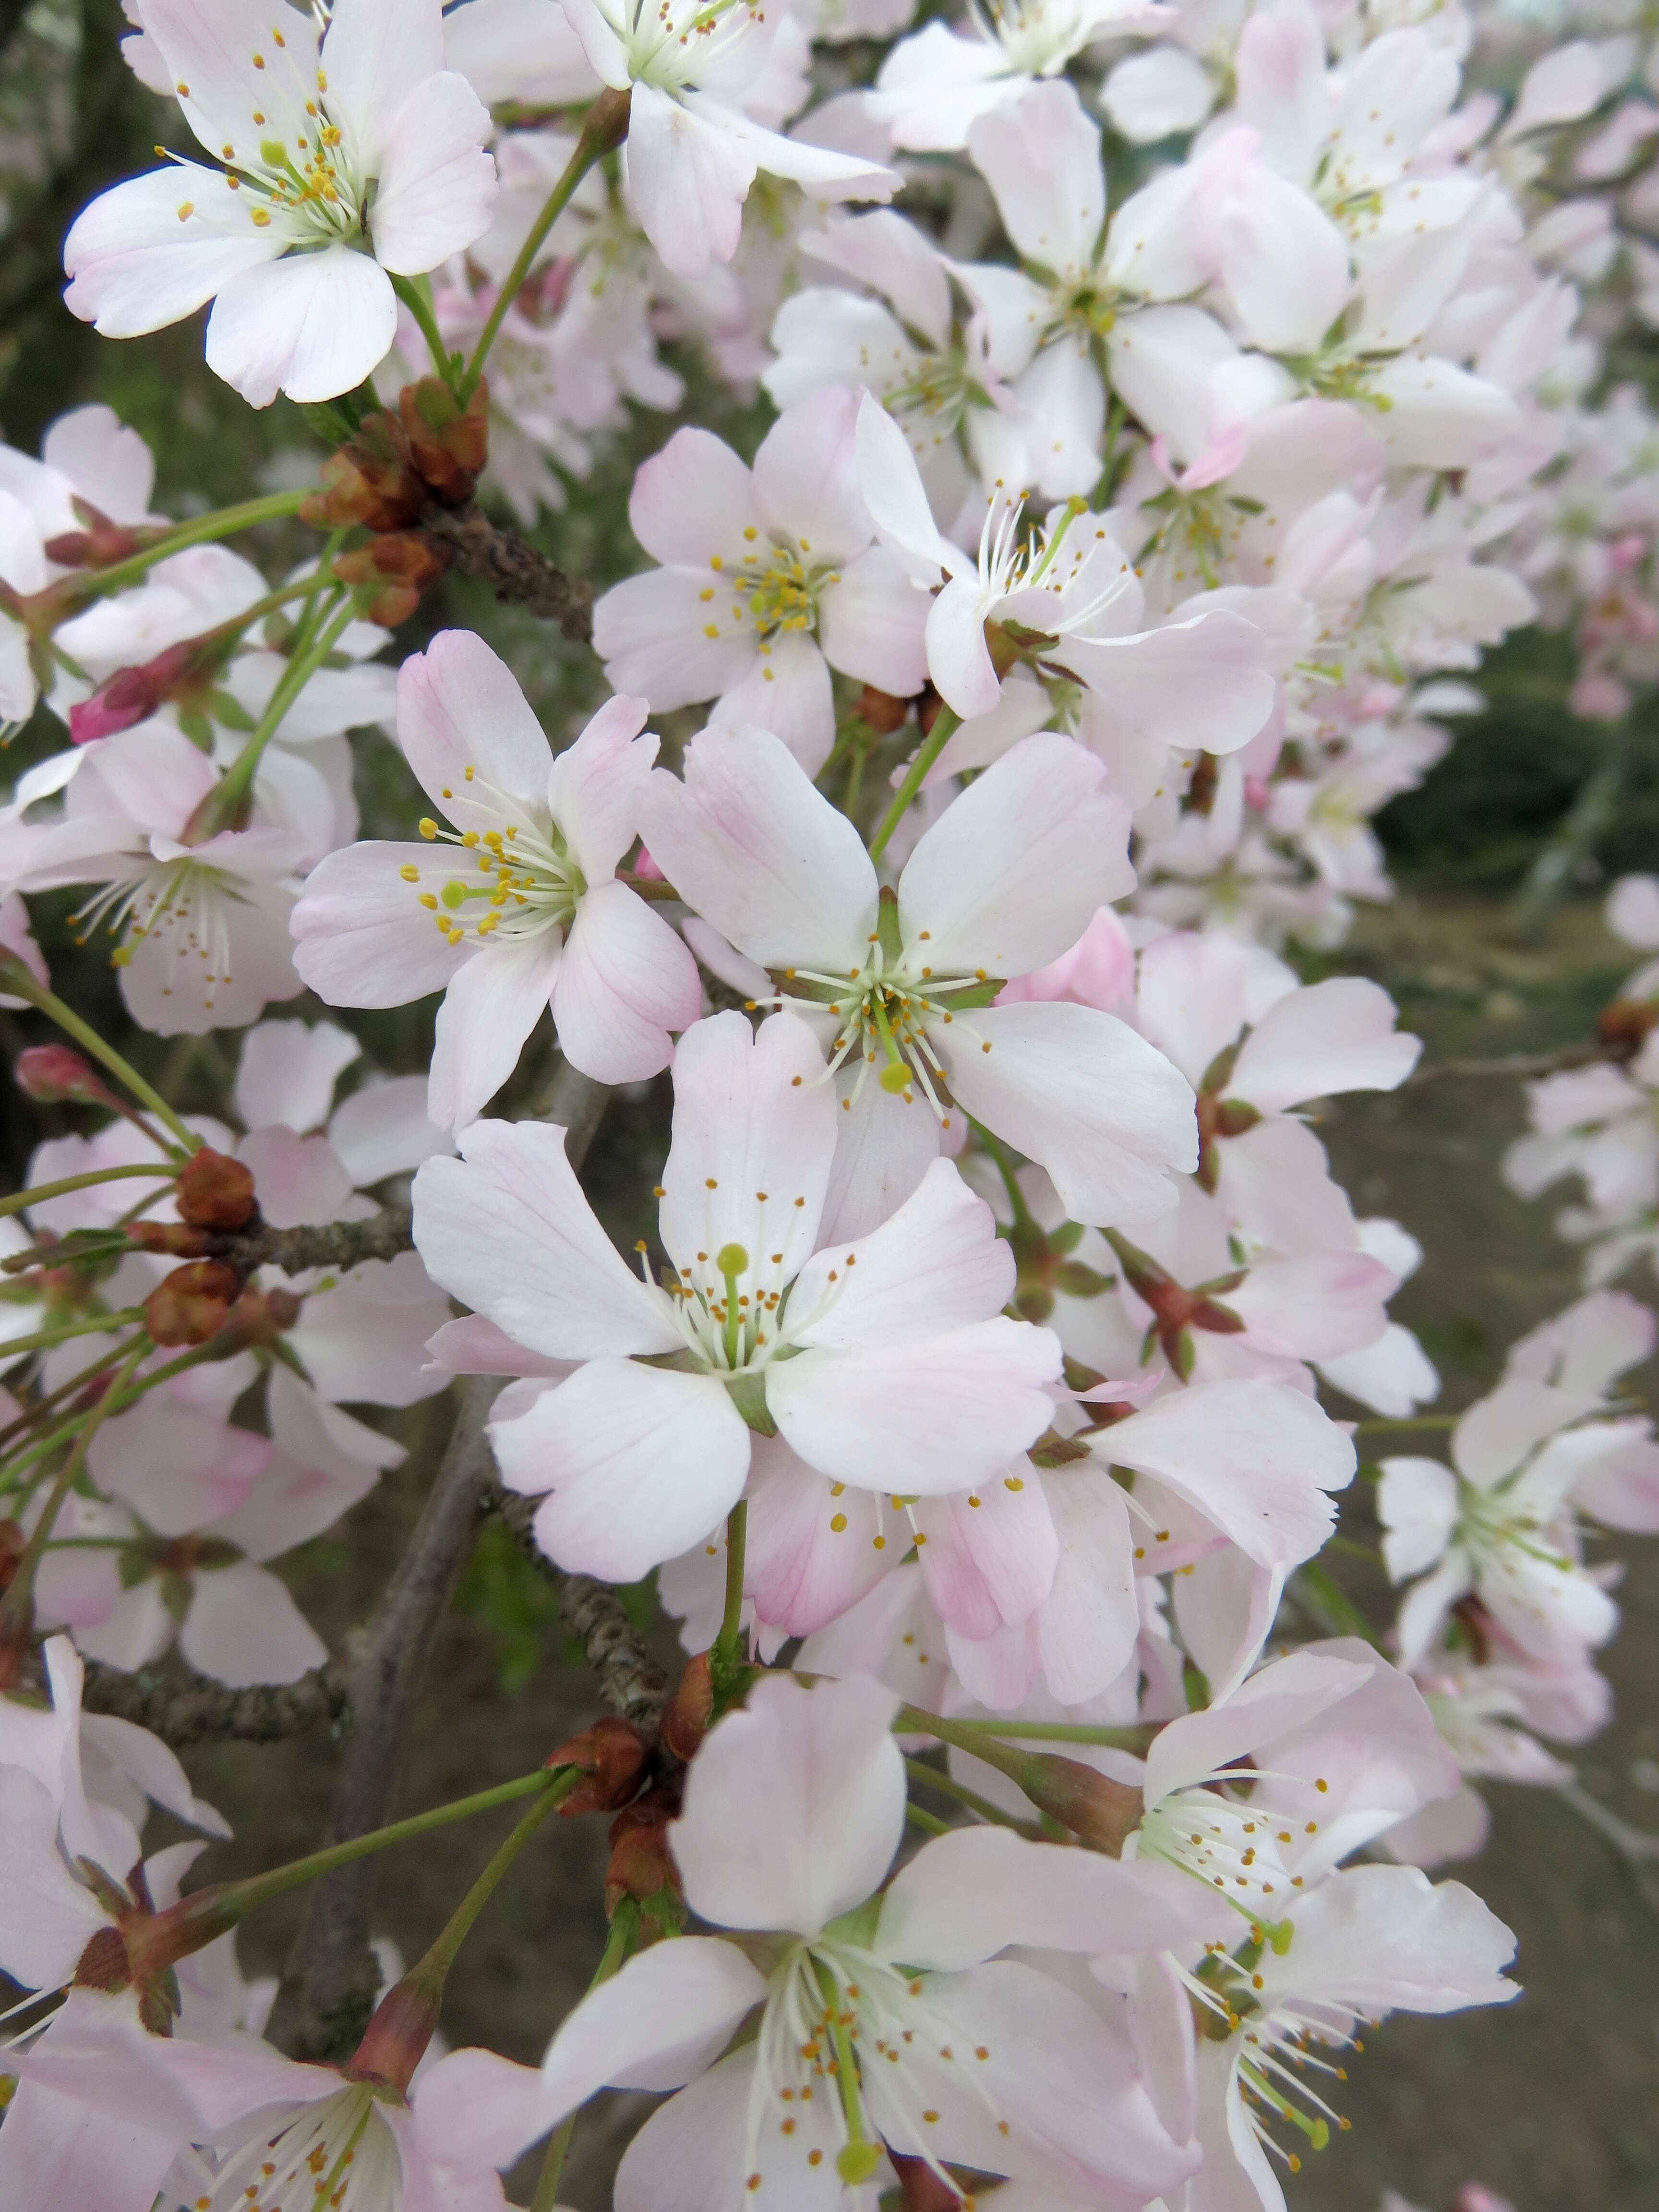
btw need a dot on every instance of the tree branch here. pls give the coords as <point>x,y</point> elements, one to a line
<point>522,575</point>
<point>198,1710</point>
<point>330,1983</point>
<point>383,1235</point>
<point>631,1681</point>
<point>1516,1064</point>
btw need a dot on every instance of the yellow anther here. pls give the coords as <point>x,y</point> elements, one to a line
<point>429,828</point>
<point>409,872</point>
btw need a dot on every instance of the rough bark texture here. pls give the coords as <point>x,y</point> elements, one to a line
<point>521,575</point>
<point>197,1711</point>
<point>330,1987</point>
<point>332,1244</point>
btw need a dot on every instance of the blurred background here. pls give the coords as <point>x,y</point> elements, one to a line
<point>1551,2105</point>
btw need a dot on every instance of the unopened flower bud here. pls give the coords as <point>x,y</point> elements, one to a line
<point>192,1304</point>
<point>612,1755</point>
<point>403,562</point>
<point>685,1723</point>
<point>882,712</point>
<point>1098,1811</point>
<point>215,1192</point>
<point>57,1075</point>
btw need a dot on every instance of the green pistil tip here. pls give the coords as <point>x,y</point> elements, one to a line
<point>732,1260</point>
<point>856,2162</point>
<point>895,1077</point>
<point>453,894</point>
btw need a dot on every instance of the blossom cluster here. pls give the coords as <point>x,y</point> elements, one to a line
<point>1136,496</point>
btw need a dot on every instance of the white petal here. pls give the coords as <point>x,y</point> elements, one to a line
<point>761,855</point>
<point>654,2026</point>
<point>494,1002</point>
<point>287,1072</point>
<point>134,266</point>
<point>872,625</point>
<point>687,179</point>
<point>244,1627</point>
<point>794,1806</point>
<point>1078,1091</point>
<point>506,1228</point>
<point>1379,1938</point>
<point>461,713</point>
<point>937,1264</point>
<point>641,1463</point>
<point>312,324</point>
<point>1011,874</point>
<point>360,940</point>
<point>884,1147</point>
<point>1336,1035</point>
<point>787,691</point>
<point>594,786</point>
<point>437,184</point>
<point>625,980</point>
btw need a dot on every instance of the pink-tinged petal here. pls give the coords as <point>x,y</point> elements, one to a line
<point>1287,1695</point>
<point>313,325</point>
<point>46,1916</point>
<point>134,267</point>
<point>594,786</point>
<point>384,1129</point>
<point>787,689</point>
<point>988,1556</point>
<point>365,1338</point>
<point>794,1806</point>
<point>805,483</point>
<point>461,715</point>
<point>244,1627</point>
<point>754,1133</point>
<point>872,625</point>
<point>1377,1938</point>
<point>1041,156</point>
<point>667,636</point>
<point>605,53</point>
<point>919,1416</point>
<point>473,1346</point>
<point>181,1467</point>
<point>506,1228</point>
<point>493,1003</point>
<point>299,1179</point>
<point>625,980</point>
<point>937,1264</point>
<point>1499,1430</point>
<point>659,2021</point>
<point>965,1897</point>
<point>1057,2099</point>
<point>475,2109</point>
<point>1098,970</point>
<point>1226,1605</point>
<point>1204,684</point>
<point>687,179</point>
<point>361,938</point>
<point>157,776</point>
<point>143,1758</point>
<point>1086,1628</point>
<point>287,1072</point>
<point>1011,873</point>
<point>811,1550</point>
<point>1336,1035</point>
<point>761,855</point>
<point>639,1462</point>
<point>1081,1094</point>
<point>1588,1347</point>
<point>1255,1458</point>
<point>520,50</point>
<point>692,502</point>
<point>884,1147</point>
<point>436,185</point>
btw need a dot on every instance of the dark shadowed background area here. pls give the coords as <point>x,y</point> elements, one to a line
<point>1552,2103</point>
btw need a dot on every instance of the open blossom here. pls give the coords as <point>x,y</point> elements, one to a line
<point>345,165</point>
<point>767,581</point>
<point>880,2022</point>
<point>689,71</point>
<point>199,927</point>
<point>898,987</point>
<point>886,1361</point>
<point>523,908</point>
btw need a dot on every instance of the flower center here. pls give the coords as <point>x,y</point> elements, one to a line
<point>885,1011</point>
<point>773,593</point>
<point>181,905</point>
<point>336,2155</point>
<point>516,876</point>
<point>1232,1846</point>
<point>670,44</point>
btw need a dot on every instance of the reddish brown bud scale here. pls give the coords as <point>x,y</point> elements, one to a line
<point>685,1723</point>
<point>215,1192</point>
<point>611,1754</point>
<point>881,710</point>
<point>173,1238</point>
<point>641,1865</point>
<point>192,1303</point>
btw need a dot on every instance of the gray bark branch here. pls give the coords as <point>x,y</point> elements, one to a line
<point>330,1983</point>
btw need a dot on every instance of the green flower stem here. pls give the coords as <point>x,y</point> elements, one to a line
<point>724,1660</point>
<point>1379,1426</point>
<point>604,129</point>
<point>437,1962</point>
<point>17,1607</point>
<point>16,978</point>
<point>200,530</point>
<point>42,1191</point>
<point>416,293</point>
<point>624,1932</point>
<point>929,1823</point>
<point>75,1384</point>
<point>947,1785</point>
<point>44,1338</point>
<point>945,725</point>
<point>229,798</point>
